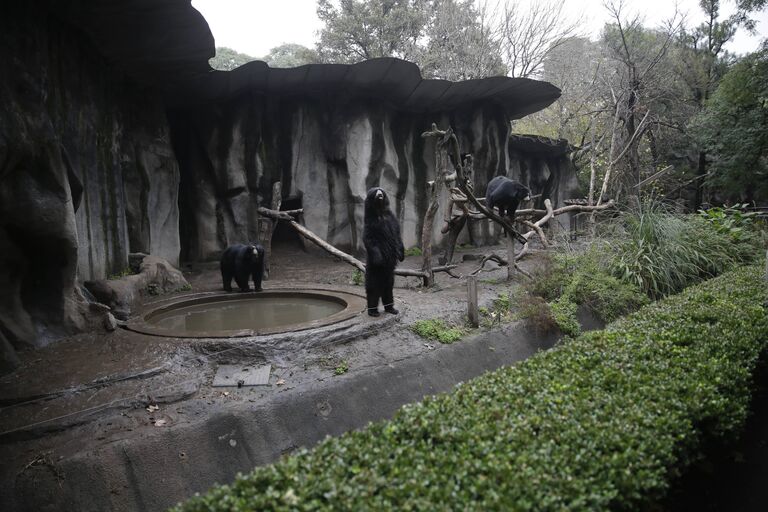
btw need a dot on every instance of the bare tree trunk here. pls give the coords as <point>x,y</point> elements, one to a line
<point>701,172</point>
<point>454,229</point>
<point>511,258</point>
<point>277,199</point>
<point>426,234</point>
<point>442,167</point>
<point>593,152</point>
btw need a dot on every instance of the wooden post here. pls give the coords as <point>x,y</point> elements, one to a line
<point>510,256</point>
<point>426,236</point>
<point>268,230</point>
<point>473,311</point>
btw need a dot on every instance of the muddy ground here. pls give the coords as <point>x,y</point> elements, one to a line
<point>93,391</point>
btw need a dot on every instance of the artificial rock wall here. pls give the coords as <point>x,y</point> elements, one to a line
<point>327,154</point>
<point>87,175</point>
<point>116,137</point>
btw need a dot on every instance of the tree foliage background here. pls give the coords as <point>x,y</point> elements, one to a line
<point>639,105</point>
<point>662,110</point>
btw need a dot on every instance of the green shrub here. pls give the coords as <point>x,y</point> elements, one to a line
<point>537,315</point>
<point>438,330</point>
<point>564,314</point>
<point>358,277</point>
<point>584,279</point>
<point>499,311</point>
<point>341,368</point>
<point>603,422</point>
<point>502,304</point>
<point>731,220</point>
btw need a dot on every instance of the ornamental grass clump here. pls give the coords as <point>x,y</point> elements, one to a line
<point>663,252</point>
<point>602,422</point>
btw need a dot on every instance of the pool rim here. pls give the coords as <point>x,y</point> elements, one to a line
<point>354,304</point>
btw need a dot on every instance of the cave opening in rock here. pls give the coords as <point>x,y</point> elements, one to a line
<point>285,237</point>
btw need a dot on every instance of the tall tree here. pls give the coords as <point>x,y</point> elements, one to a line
<point>704,61</point>
<point>528,35</point>
<point>460,42</point>
<point>356,30</point>
<point>733,131</point>
<point>638,57</point>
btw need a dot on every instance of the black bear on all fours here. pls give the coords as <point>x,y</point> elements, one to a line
<point>384,248</point>
<point>243,262</point>
<point>505,194</point>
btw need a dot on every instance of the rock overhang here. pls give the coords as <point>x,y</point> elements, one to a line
<point>539,145</point>
<point>166,44</point>
<point>395,82</point>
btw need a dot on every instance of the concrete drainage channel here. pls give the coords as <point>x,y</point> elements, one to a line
<point>163,467</point>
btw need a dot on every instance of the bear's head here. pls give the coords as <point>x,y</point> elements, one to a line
<point>523,193</point>
<point>252,253</point>
<point>376,202</point>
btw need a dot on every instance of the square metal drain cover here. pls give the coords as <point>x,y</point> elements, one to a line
<point>238,375</point>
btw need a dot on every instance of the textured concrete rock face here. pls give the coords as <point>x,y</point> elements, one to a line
<point>83,156</point>
<point>153,276</point>
<point>327,155</point>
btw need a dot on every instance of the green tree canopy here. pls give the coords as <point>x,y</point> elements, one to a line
<point>733,129</point>
<point>227,59</point>
<point>358,30</point>
<point>290,55</point>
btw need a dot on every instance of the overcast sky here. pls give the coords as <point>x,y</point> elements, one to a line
<point>255,26</point>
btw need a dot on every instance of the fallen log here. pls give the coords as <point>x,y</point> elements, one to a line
<point>500,262</point>
<point>288,216</point>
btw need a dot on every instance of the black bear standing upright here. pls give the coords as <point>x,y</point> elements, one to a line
<point>505,194</point>
<point>243,262</point>
<point>384,247</point>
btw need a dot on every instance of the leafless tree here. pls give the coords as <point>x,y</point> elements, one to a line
<point>527,33</point>
<point>635,85</point>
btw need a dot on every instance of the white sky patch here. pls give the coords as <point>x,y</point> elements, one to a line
<point>256,26</point>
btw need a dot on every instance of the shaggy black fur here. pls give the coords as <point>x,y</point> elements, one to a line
<point>243,262</point>
<point>384,248</point>
<point>505,194</point>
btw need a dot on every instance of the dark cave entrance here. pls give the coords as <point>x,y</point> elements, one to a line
<point>285,237</point>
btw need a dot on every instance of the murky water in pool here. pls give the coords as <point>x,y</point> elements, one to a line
<point>258,314</point>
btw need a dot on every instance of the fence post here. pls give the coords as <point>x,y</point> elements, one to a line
<point>472,311</point>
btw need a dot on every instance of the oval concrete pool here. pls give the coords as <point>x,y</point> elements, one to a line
<point>226,315</point>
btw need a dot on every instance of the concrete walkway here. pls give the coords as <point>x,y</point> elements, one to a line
<point>160,467</point>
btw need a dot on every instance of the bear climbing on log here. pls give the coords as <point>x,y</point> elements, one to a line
<point>505,194</point>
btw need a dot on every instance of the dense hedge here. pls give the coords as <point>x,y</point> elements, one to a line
<point>600,422</point>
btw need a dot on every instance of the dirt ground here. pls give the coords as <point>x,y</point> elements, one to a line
<point>101,383</point>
